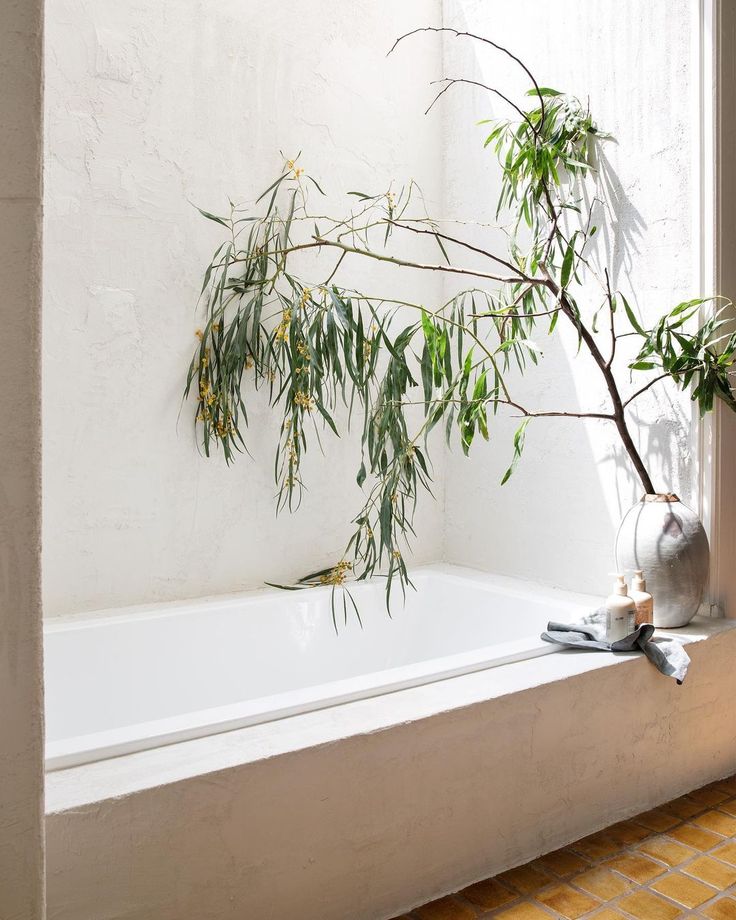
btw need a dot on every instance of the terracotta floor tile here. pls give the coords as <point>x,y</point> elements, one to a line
<point>525,911</point>
<point>648,906</point>
<point>563,862</point>
<point>674,861</point>
<point>526,879</point>
<point>686,891</point>
<point>628,833</point>
<point>683,807</point>
<point>445,909</point>
<point>717,821</point>
<point>729,807</point>
<point>637,867</point>
<point>601,882</point>
<point>666,850</point>
<point>725,909</point>
<point>712,871</point>
<point>709,795</point>
<point>727,853</point>
<point>695,837</point>
<point>596,846</point>
<point>489,894</point>
<point>657,820</point>
<point>566,902</point>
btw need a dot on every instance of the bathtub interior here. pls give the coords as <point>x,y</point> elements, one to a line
<point>235,660</point>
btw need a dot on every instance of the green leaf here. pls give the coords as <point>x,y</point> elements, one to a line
<point>326,416</point>
<point>519,437</point>
<point>688,304</point>
<point>442,248</point>
<point>217,220</point>
<point>274,185</point>
<point>632,317</point>
<point>543,91</point>
<point>480,390</point>
<point>567,262</point>
<point>287,225</point>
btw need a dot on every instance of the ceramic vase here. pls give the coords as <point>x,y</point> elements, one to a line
<point>666,540</point>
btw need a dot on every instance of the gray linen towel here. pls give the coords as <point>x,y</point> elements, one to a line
<point>667,655</point>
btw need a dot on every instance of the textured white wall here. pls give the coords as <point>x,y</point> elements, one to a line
<point>555,520</point>
<point>151,105</point>
<point>21,693</point>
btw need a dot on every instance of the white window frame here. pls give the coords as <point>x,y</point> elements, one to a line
<point>716,230</point>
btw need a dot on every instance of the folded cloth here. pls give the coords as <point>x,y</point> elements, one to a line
<point>667,655</point>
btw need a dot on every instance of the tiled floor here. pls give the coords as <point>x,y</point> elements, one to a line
<point>678,860</point>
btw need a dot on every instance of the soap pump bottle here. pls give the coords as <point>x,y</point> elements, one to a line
<point>642,598</point>
<point>620,611</point>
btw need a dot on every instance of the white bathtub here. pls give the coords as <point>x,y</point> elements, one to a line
<point>366,809</point>
<point>124,681</point>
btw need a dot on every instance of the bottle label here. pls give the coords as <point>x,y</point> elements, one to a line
<point>617,622</point>
<point>645,611</point>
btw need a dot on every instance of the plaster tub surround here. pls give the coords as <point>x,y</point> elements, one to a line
<point>366,809</point>
<point>124,681</point>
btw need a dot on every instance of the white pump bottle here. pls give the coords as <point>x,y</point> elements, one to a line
<point>642,598</point>
<point>620,611</point>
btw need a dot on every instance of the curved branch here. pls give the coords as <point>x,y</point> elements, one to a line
<point>470,248</point>
<point>485,41</point>
<point>645,388</point>
<point>605,369</point>
<point>513,314</point>
<point>607,416</point>
<point>527,414</point>
<point>451,81</point>
<point>392,260</point>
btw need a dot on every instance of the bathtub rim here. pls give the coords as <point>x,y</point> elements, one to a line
<point>98,746</point>
<point>87,748</point>
<point>517,587</point>
<point>128,774</point>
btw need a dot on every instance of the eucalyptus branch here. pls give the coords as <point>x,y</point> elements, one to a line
<point>610,381</point>
<point>525,413</point>
<point>485,41</point>
<point>643,389</point>
<point>612,317</point>
<point>315,345</point>
<point>465,245</point>
<point>456,81</point>
<point>320,242</point>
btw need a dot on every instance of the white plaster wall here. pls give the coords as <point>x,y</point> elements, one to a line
<point>556,518</point>
<point>21,694</point>
<point>151,105</point>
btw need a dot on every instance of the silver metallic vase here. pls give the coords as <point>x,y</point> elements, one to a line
<point>666,540</point>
